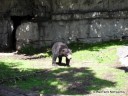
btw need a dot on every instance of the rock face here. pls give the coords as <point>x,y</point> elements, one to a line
<point>88,5</point>
<point>88,31</point>
<point>27,33</point>
<point>123,55</point>
<point>87,21</point>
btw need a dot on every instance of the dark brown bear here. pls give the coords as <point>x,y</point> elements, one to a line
<point>60,50</point>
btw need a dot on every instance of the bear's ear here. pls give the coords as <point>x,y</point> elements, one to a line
<point>70,50</point>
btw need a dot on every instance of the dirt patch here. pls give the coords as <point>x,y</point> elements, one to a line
<point>16,56</point>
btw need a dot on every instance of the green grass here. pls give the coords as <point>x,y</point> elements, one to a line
<point>92,69</point>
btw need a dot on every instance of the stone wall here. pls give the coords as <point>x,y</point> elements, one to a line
<point>64,6</point>
<point>87,28</point>
<point>25,7</point>
<point>87,21</point>
<point>87,31</point>
<point>27,34</point>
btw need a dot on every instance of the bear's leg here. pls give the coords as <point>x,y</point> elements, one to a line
<point>67,61</point>
<point>60,60</point>
<point>54,60</point>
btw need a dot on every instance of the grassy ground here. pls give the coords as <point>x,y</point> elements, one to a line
<point>94,71</point>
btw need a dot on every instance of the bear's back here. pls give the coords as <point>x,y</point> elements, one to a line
<point>58,46</point>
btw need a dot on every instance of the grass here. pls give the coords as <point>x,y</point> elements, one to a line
<point>92,69</point>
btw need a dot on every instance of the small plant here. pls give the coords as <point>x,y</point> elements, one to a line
<point>40,55</point>
<point>28,49</point>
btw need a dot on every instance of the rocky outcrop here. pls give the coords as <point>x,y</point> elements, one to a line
<point>24,7</point>
<point>122,52</point>
<point>88,5</point>
<point>87,21</point>
<point>27,34</point>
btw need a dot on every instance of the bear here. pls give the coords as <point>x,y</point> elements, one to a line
<point>59,50</point>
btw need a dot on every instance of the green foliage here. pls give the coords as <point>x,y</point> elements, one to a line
<point>28,49</point>
<point>103,52</point>
<point>40,55</point>
<point>37,53</point>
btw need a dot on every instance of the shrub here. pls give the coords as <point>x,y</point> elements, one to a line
<point>28,49</point>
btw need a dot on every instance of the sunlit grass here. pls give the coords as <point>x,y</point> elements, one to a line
<point>104,56</point>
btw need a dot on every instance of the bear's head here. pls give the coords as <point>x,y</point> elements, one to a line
<point>67,53</point>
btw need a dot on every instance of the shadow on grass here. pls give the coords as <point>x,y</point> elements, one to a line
<point>65,81</point>
<point>123,68</point>
<point>9,72</point>
<point>62,64</point>
<point>75,81</point>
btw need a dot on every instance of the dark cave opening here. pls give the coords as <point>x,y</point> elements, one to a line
<point>17,20</point>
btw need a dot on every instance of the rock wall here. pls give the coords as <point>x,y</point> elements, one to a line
<point>89,28</point>
<point>88,5</point>
<point>87,31</point>
<point>87,21</point>
<point>24,7</point>
<point>27,34</point>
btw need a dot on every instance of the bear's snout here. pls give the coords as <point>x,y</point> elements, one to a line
<point>69,56</point>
